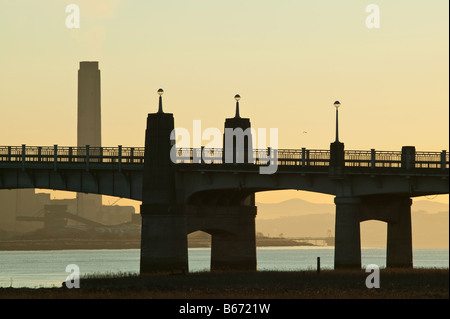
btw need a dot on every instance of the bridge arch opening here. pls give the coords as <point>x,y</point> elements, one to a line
<point>374,241</point>
<point>430,221</point>
<point>294,214</point>
<point>199,251</point>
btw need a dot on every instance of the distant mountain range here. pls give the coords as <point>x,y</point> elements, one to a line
<point>300,218</point>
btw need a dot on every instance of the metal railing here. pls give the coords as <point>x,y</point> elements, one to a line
<point>52,154</point>
<point>283,157</point>
<point>373,159</point>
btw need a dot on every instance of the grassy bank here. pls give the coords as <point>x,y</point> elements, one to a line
<point>329,284</point>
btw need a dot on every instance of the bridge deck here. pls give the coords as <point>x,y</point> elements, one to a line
<point>133,158</point>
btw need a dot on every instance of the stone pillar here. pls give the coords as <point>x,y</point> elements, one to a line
<point>237,139</point>
<point>163,234</point>
<point>399,236</point>
<point>408,157</point>
<point>337,158</point>
<point>236,250</point>
<point>347,250</point>
<point>163,240</point>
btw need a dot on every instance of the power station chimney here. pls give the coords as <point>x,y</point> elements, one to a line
<point>89,109</point>
<point>89,127</point>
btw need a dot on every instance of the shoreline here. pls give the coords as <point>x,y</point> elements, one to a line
<point>327,284</point>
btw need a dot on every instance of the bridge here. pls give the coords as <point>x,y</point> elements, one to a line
<point>118,171</point>
<point>202,191</point>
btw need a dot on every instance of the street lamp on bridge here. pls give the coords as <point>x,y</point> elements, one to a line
<point>337,158</point>
<point>337,104</point>
<point>160,92</point>
<point>237,97</point>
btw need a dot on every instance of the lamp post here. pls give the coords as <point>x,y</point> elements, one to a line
<point>337,104</point>
<point>337,157</point>
<point>237,97</point>
<point>160,92</point>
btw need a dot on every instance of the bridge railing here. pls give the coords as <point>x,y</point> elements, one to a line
<point>373,159</point>
<point>58,154</point>
<point>388,159</point>
<point>284,157</point>
<point>431,159</point>
<point>304,157</point>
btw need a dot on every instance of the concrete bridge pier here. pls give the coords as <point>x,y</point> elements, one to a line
<point>163,233</point>
<point>233,244</point>
<point>394,210</point>
<point>399,235</point>
<point>232,230</point>
<point>164,242</point>
<point>347,252</point>
<point>235,250</point>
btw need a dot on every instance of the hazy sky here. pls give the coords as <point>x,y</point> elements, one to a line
<point>288,59</point>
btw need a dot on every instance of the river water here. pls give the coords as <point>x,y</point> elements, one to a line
<point>35,269</point>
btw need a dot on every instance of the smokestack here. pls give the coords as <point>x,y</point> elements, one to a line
<point>89,110</point>
<point>89,128</point>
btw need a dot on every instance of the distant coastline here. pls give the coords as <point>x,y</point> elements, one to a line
<point>134,243</point>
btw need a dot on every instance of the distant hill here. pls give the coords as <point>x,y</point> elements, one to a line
<point>429,206</point>
<point>292,207</point>
<point>299,218</point>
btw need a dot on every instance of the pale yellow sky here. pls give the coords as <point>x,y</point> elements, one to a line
<point>289,60</point>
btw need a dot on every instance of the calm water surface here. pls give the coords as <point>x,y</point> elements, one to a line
<point>47,268</point>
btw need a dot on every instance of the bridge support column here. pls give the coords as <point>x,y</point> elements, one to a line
<point>232,230</point>
<point>347,252</point>
<point>163,233</point>
<point>399,236</point>
<point>163,241</point>
<point>235,251</point>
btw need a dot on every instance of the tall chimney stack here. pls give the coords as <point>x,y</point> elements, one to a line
<point>89,110</point>
<point>89,127</point>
